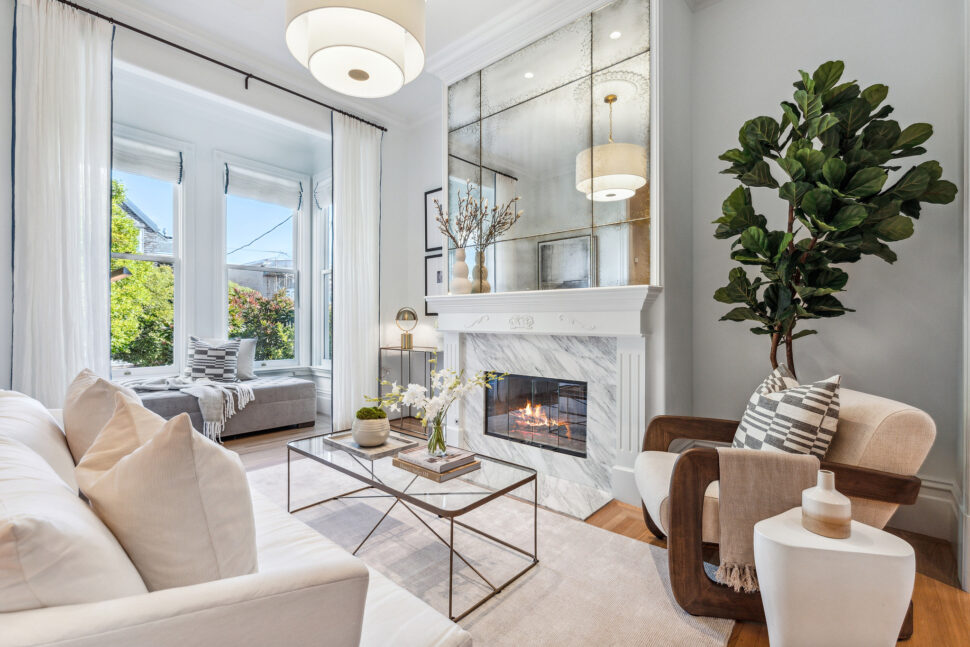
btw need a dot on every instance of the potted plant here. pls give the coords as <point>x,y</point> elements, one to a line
<point>833,151</point>
<point>371,427</point>
<point>447,386</point>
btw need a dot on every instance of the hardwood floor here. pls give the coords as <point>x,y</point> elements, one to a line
<point>942,609</point>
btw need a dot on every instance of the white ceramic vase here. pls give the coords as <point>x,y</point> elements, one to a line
<point>459,274</point>
<point>825,510</point>
<point>480,284</point>
<point>371,433</point>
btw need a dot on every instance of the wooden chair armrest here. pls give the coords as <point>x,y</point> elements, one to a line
<point>876,485</point>
<point>663,430</point>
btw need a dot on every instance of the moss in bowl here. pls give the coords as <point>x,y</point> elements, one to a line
<point>371,427</point>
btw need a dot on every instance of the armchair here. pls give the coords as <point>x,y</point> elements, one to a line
<point>877,448</point>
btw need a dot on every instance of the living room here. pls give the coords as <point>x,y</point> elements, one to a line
<point>407,322</point>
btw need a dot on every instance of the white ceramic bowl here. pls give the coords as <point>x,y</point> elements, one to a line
<point>371,433</point>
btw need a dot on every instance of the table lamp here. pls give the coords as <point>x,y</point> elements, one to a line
<point>406,320</point>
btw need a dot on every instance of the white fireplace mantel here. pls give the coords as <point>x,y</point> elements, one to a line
<point>606,311</point>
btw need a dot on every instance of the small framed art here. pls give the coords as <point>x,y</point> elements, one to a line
<point>434,240</point>
<point>434,280</point>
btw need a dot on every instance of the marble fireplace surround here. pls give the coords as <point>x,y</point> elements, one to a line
<point>594,335</point>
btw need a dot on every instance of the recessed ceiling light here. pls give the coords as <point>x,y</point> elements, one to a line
<point>529,75</point>
<point>615,35</point>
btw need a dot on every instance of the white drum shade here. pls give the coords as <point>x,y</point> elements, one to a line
<point>361,48</point>
<point>611,172</point>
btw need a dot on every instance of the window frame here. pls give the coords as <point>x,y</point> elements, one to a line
<point>322,272</point>
<point>301,267</point>
<point>179,191</point>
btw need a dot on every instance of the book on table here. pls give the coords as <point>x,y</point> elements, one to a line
<point>438,477</point>
<point>452,459</point>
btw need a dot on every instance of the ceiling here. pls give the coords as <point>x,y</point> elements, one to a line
<point>249,33</point>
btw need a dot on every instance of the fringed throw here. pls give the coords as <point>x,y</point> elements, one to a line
<point>740,577</point>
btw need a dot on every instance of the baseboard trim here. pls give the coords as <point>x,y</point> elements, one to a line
<point>936,512</point>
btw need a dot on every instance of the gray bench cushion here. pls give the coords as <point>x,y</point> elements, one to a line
<point>279,402</point>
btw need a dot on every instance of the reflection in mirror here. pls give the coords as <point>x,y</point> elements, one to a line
<point>619,32</point>
<point>465,102</point>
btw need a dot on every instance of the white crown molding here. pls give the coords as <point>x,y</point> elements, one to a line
<point>505,33</point>
<point>221,50</point>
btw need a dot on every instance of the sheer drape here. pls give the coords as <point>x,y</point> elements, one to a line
<point>62,205</point>
<point>356,250</point>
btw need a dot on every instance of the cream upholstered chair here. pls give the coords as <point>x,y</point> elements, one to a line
<point>878,447</point>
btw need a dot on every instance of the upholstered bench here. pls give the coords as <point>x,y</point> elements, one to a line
<point>279,402</point>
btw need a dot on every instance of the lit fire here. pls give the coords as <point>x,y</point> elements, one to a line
<point>536,417</point>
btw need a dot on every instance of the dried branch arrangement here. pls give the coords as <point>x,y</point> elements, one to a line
<point>475,220</point>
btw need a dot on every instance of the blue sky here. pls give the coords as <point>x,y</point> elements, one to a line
<point>246,221</point>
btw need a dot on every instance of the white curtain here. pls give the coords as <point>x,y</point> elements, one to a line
<point>62,205</point>
<point>356,250</point>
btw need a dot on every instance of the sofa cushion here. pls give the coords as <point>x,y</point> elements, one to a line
<point>652,471</point>
<point>392,615</point>
<point>27,420</point>
<point>53,549</point>
<point>89,404</point>
<point>131,426</point>
<point>179,504</point>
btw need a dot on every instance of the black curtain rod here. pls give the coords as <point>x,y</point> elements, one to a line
<point>247,76</point>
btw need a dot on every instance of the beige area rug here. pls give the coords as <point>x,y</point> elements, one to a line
<point>591,586</point>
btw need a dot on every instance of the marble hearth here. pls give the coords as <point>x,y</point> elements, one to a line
<point>592,335</point>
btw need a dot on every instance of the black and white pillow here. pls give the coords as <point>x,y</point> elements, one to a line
<point>784,416</point>
<point>215,362</point>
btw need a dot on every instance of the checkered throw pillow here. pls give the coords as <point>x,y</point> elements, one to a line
<point>217,363</point>
<point>783,416</point>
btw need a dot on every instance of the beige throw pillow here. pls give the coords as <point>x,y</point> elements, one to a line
<point>27,420</point>
<point>89,404</point>
<point>131,426</point>
<point>179,503</point>
<point>53,549</point>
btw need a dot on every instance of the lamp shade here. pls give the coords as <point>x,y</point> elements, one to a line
<point>361,48</point>
<point>611,172</point>
<point>406,319</point>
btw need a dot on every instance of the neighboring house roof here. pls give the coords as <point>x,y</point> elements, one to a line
<point>132,210</point>
<point>272,263</point>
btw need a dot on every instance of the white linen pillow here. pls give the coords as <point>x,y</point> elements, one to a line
<point>131,426</point>
<point>179,504</point>
<point>53,549</point>
<point>89,404</point>
<point>28,421</point>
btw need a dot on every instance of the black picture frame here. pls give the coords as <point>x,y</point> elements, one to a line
<point>439,280</point>
<point>431,233</point>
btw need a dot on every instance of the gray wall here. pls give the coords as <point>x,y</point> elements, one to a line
<point>6,220</point>
<point>904,341</point>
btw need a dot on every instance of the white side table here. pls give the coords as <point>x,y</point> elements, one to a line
<point>822,591</point>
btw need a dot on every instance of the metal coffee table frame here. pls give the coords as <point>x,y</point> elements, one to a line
<point>373,482</point>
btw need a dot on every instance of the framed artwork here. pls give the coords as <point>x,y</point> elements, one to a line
<point>566,263</point>
<point>434,280</point>
<point>433,239</point>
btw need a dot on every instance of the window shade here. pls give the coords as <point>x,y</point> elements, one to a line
<point>254,185</point>
<point>132,156</point>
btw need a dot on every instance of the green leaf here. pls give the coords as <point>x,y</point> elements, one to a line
<point>817,202</point>
<point>816,127</point>
<point>868,181</point>
<point>939,192</point>
<point>812,160</point>
<point>741,314</point>
<point>825,306</point>
<point>809,104</point>
<point>754,239</point>
<point>761,134</point>
<point>933,168</point>
<point>803,333</point>
<point>793,168</point>
<point>914,135</point>
<point>881,134</point>
<point>790,114</point>
<point>794,192</point>
<point>875,94</point>
<point>840,95</point>
<point>827,75</point>
<point>895,228</point>
<point>759,175</point>
<point>912,185</point>
<point>848,217</point>
<point>854,115</point>
<point>736,156</point>
<point>834,172</point>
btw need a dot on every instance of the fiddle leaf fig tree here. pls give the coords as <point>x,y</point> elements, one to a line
<point>834,158</point>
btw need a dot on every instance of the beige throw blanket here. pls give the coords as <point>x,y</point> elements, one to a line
<point>755,485</point>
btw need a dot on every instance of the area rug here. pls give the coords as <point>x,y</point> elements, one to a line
<point>591,586</point>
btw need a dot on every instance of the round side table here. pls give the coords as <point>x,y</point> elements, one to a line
<point>822,591</point>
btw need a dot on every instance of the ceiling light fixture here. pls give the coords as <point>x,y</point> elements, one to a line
<point>615,35</point>
<point>361,48</point>
<point>612,171</point>
<point>529,75</point>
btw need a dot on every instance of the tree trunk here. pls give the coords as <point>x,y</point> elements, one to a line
<point>790,354</point>
<point>775,338</point>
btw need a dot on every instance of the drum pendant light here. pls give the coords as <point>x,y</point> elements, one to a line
<point>361,48</point>
<point>612,171</point>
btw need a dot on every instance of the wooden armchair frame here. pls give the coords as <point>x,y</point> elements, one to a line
<point>697,468</point>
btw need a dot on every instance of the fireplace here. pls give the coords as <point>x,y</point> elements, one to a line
<point>538,411</point>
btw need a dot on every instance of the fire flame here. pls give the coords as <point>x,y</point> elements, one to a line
<point>536,417</point>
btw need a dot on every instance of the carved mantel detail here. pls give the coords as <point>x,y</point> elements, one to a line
<point>576,323</point>
<point>521,322</point>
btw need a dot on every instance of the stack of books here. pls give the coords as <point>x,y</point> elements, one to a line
<point>437,468</point>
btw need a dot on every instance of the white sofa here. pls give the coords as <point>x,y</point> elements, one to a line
<point>308,591</point>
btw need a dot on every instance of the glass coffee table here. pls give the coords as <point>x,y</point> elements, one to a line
<point>379,478</point>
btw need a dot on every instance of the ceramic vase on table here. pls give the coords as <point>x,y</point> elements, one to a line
<point>480,284</point>
<point>459,274</point>
<point>371,433</point>
<point>825,510</point>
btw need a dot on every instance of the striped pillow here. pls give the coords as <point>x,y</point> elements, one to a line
<point>213,362</point>
<point>783,416</point>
